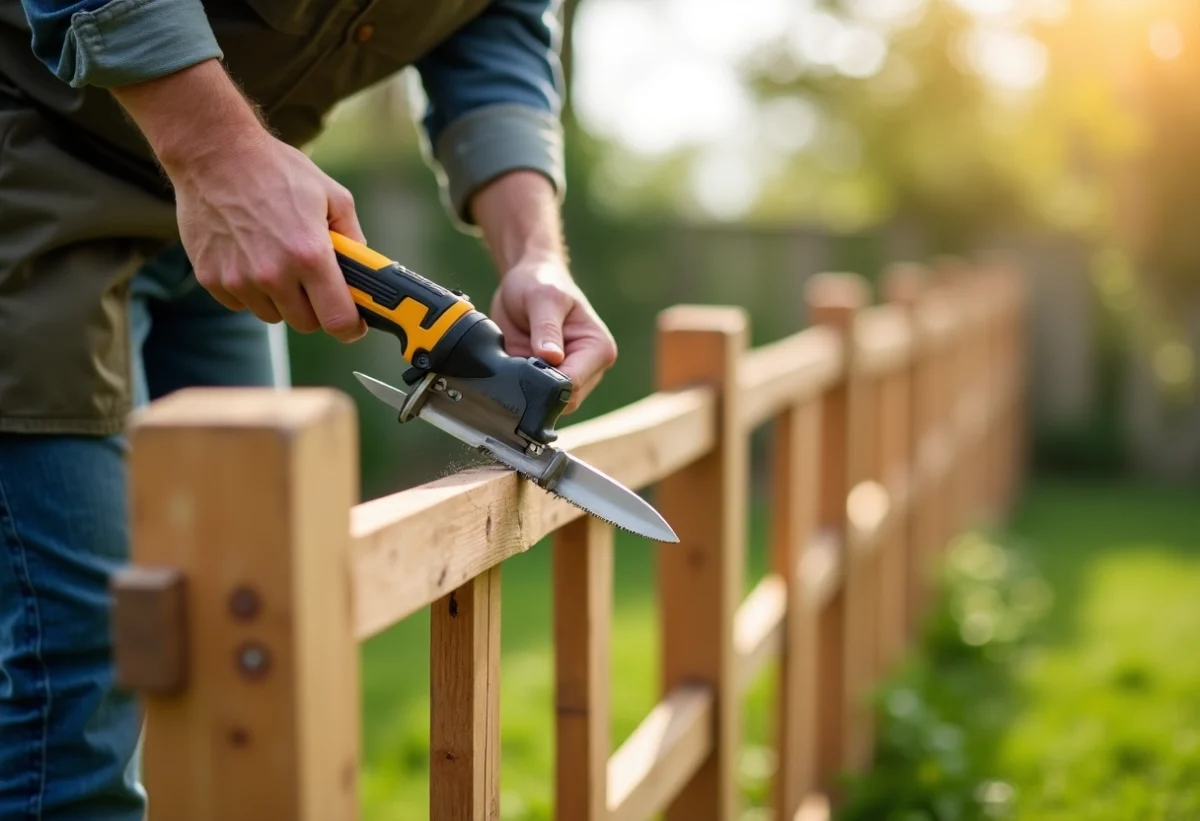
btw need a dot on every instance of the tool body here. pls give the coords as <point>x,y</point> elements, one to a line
<point>462,381</point>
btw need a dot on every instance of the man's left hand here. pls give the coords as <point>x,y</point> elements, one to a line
<point>542,312</point>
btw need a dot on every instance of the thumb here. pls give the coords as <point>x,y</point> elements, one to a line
<point>342,216</point>
<point>547,312</point>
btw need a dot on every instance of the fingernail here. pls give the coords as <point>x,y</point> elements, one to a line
<point>551,347</point>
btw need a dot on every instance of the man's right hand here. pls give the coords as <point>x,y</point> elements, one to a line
<point>254,213</point>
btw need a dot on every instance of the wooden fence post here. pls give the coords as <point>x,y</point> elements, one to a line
<point>835,300</point>
<point>464,702</point>
<point>701,578</point>
<point>903,285</point>
<point>795,488</point>
<point>247,493</point>
<point>583,568</point>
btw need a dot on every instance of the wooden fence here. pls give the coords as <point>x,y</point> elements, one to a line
<point>255,573</point>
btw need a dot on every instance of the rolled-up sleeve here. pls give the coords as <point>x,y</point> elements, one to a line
<point>495,97</point>
<point>119,42</point>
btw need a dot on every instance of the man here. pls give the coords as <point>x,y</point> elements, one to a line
<point>142,140</point>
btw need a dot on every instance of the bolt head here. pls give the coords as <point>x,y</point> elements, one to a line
<point>253,660</point>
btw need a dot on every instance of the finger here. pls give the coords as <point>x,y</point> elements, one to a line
<point>259,304</point>
<point>343,217</point>
<point>218,292</point>
<point>293,305</point>
<point>331,301</point>
<point>588,359</point>
<point>580,394</point>
<point>548,309</point>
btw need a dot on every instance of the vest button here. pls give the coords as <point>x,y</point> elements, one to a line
<point>364,32</point>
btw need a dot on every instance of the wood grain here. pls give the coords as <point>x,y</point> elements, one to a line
<point>701,578</point>
<point>248,493</point>
<point>583,577</point>
<point>464,702</point>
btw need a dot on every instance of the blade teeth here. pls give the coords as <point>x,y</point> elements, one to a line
<point>530,477</point>
<point>609,522</point>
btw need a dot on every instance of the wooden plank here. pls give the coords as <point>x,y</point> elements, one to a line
<point>782,374</point>
<point>884,339</point>
<point>834,300</point>
<point>701,578</point>
<point>904,286</point>
<point>464,702</point>
<point>815,808</point>
<point>795,491</point>
<point>758,628</point>
<point>248,493</point>
<point>821,568</point>
<point>893,560</point>
<point>583,574</point>
<point>662,755</point>
<point>413,547</point>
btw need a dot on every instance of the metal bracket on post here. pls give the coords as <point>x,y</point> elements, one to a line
<point>150,629</point>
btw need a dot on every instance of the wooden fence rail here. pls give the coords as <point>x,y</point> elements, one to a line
<point>255,573</point>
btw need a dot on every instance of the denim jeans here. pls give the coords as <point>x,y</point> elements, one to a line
<point>69,739</point>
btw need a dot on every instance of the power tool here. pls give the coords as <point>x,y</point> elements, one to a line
<point>460,380</point>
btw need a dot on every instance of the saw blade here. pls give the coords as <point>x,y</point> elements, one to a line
<point>600,495</point>
<point>575,481</point>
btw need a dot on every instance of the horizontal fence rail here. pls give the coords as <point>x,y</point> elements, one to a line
<point>255,575</point>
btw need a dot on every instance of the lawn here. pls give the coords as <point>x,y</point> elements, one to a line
<point>1059,680</point>
<point>1090,711</point>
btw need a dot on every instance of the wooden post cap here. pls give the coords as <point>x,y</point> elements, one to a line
<point>837,291</point>
<point>904,282</point>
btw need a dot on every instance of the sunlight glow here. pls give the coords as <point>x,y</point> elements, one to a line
<point>1166,40</point>
<point>988,8</point>
<point>1010,60</point>
<point>725,182</point>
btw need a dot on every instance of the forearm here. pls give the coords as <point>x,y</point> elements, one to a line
<point>518,214</point>
<point>191,115</point>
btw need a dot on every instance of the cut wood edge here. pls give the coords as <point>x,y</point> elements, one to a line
<point>661,755</point>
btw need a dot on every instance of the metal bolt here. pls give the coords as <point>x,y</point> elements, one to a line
<point>253,660</point>
<point>534,449</point>
<point>439,385</point>
<point>244,603</point>
<point>422,360</point>
<point>454,395</point>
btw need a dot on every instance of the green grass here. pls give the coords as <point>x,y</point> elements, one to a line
<point>1091,712</point>
<point>396,689</point>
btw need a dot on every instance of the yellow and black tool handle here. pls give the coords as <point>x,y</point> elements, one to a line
<point>420,313</point>
<point>440,330</point>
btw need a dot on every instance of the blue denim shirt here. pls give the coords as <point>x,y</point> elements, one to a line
<point>494,87</point>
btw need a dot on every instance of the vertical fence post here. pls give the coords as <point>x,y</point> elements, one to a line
<point>794,486</point>
<point>834,300</point>
<point>583,568</point>
<point>903,285</point>
<point>701,578</point>
<point>464,702</point>
<point>247,494</point>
